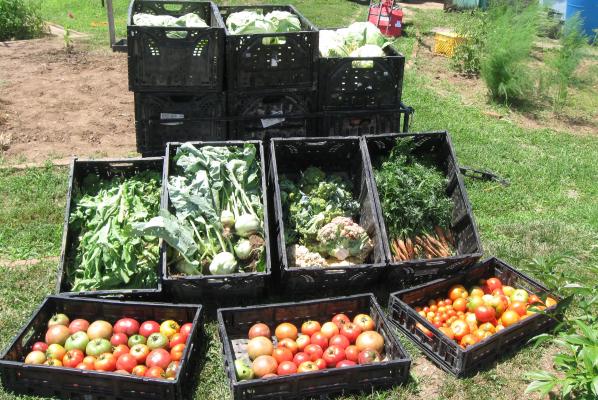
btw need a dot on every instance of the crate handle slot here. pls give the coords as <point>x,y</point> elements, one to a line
<point>365,64</point>
<point>335,271</point>
<point>173,6</point>
<point>274,41</point>
<point>124,164</point>
<point>176,35</point>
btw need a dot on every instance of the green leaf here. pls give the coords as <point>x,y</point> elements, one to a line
<point>595,385</point>
<point>542,387</point>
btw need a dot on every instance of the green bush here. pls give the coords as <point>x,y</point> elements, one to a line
<point>511,31</point>
<point>20,19</point>
<point>467,56</point>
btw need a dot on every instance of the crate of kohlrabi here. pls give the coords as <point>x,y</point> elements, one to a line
<point>214,222</point>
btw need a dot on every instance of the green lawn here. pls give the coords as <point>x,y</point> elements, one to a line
<point>549,210</point>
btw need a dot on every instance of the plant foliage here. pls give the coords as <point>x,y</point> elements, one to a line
<point>20,19</point>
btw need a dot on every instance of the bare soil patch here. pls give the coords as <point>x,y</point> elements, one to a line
<point>55,105</point>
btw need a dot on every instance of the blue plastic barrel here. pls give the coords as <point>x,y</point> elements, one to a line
<point>589,12</point>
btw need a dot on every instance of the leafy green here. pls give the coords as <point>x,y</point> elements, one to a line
<point>109,255</point>
<point>247,22</point>
<point>212,185</point>
<point>412,192</point>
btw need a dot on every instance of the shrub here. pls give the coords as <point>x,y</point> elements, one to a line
<point>20,19</point>
<point>511,32</point>
<point>467,56</point>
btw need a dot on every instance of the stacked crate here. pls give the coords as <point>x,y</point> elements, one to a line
<point>177,76</point>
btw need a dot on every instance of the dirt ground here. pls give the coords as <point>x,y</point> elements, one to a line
<point>55,105</point>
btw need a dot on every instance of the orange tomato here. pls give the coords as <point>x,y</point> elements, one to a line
<point>487,327</point>
<point>447,331</point>
<point>286,330</point>
<point>457,291</point>
<point>519,307</point>
<point>460,304</point>
<point>448,302</point>
<point>433,308</point>
<point>509,318</point>
<point>481,335</point>
<point>460,329</point>
<point>425,330</point>
<point>476,291</point>
<point>550,302</point>
<point>468,340</point>
<point>534,299</point>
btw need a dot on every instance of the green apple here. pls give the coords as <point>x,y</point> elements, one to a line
<point>77,340</point>
<point>243,371</point>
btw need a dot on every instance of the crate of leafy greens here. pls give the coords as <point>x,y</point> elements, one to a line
<point>214,222</point>
<point>488,311</point>
<point>101,254</point>
<point>359,69</point>
<point>175,46</point>
<point>328,237</point>
<point>425,214</point>
<point>365,122</point>
<point>311,349</point>
<point>269,47</point>
<point>74,348</point>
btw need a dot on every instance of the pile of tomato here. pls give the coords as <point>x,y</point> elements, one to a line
<point>470,316</point>
<point>148,349</point>
<point>338,343</point>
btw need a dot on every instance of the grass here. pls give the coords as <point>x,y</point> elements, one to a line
<point>549,210</point>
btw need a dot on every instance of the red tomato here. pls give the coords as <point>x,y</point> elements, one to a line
<point>519,307</point>
<point>498,292</point>
<point>119,350</point>
<point>286,368</point>
<point>329,329</point>
<point>257,330</point>
<point>460,328</point>
<point>89,361</point>
<point>140,352</point>
<point>352,353</point>
<point>128,326</point>
<point>302,341</point>
<point>286,330</point>
<point>509,318</point>
<point>485,314</point>
<point>345,363</point>
<point>281,354</point>
<point>313,351</point>
<point>320,363</point>
<point>139,370</point>
<point>177,338</point>
<point>72,358</point>
<point>333,355</point>
<point>424,330</point>
<point>78,325</point>
<point>351,331</point>
<point>149,327</point>
<point>155,372</point>
<point>186,329</point>
<point>40,346</point>
<point>176,353</point>
<point>105,362</point>
<point>310,327</point>
<point>339,340</point>
<point>158,358</point>
<point>319,339</point>
<point>84,366</point>
<point>369,356</point>
<point>126,362</point>
<point>289,344</point>
<point>119,338</point>
<point>340,319</point>
<point>300,358</point>
<point>493,283</point>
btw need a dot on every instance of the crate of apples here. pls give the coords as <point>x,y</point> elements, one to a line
<point>472,319</point>
<point>266,347</point>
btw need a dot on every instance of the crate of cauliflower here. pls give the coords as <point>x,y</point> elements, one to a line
<point>175,46</point>
<point>214,222</point>
<point>328,235</point>
<point>269,47</point>
<point>359,69</point>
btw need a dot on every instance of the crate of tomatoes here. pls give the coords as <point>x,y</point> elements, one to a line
<point>472,319</point>
<point>311,348</point>
<point>98,349</point>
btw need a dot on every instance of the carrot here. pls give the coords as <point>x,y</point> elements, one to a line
<point>409,245</point>
<point>430,251</point>
<point>402,247</point>
<point>440,234</point>
<point>399,256</point>
<point>433,241</point>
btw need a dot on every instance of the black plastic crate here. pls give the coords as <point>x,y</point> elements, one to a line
<point>104,169</point>
<point>72,383</point>
<point>263,115</point>
<point>349,83</point>
<point>446,353</point>
<point>159,63</point>
<point>234,323</point>
<point>216,290</point>
<point>332,155</point>
<point>365,122</point>
<point>253,63</point>
<point>463,226</point>
<point>163,118</point>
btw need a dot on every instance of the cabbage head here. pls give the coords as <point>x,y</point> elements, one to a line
<point>284,21</point>
<point>369,50</point>
<point>332,44</point>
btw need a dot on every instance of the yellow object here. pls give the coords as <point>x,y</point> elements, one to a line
<point>445,42</point>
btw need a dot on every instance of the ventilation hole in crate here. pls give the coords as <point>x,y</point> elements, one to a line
<point>199,48</point>
<point>153,48</point>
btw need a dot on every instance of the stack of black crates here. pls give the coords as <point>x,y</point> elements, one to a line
<point>208,84</point>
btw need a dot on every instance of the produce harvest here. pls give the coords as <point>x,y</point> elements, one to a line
<point>217,228</point>
<point>416,208</point>
<point>248,22</point>
<point>320,215</point>
<point>337,343</point>
<point>470,316</point>
<point>189,20</point>
<point>149,349</point>
<point>108,254</point>
<point>360,39</point>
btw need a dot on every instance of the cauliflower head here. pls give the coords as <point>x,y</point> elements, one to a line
<point>342,238</point>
